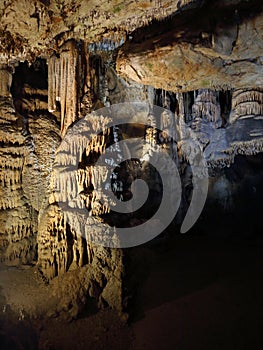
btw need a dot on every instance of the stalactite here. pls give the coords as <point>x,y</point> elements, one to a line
<point>63,77</point>
<point>76,188</point>
<point>206,106</point>
<point>52,82</point>
<point>246,104</point>
<point>107,44</point>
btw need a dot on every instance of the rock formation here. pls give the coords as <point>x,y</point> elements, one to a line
<point>216,46</point>
<point>65,76</point>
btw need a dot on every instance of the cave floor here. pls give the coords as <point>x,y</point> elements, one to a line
<point>203,294</point>
<point>197,293</point>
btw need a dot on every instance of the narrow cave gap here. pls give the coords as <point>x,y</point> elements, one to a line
<point>70,243</point>
<point>85,258</point>
<point>35,76</point>
<point>188,99</point>
<point>55,266</point>
<point>159,99</point>
<point>97,67</point>
<point>77,257</point>
<point>174,103</point>
<point>225,100</point>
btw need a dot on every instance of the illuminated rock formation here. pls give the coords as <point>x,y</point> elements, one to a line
<point>246,115</point>
<point>215,47</point>
<point>246,103</point>
<point>64,84</point>
<point>25,169</point>
<point>18,227</point>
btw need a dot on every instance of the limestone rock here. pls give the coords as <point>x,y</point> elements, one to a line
<point>215,47</point>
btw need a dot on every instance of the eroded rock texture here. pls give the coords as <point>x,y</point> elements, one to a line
<point>18,232</point>
<point>26,166</point>
<point>65,237</point>
<point>30,29</point>
<point>217,46</point>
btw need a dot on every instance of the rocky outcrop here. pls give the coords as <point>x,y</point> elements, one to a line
<point>218,46</point>
<point>243,133</point>
<point>69,232</point>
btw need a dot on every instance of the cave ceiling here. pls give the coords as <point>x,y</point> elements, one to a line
<point>174,45</point>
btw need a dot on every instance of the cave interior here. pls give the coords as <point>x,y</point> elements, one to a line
<point>93,97</point>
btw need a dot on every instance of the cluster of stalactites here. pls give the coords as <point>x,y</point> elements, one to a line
<point>79,186</point>
<point>63,84</point>
<point>246,104</point>
<point>64,239</point>
<point>74,187</point>
<point>206,106</point>
<point>151,131</point>
<point>61,248</point>
<point>107,44</point>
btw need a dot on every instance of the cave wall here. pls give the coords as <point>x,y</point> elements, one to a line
<point>25,164</point>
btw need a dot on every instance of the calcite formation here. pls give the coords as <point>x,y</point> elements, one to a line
<point>25,173</point>
<point>246,103</point>
<point>64,84</point>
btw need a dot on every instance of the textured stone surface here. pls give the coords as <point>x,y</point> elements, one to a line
<point>217,46</point>
<point>28,28</point>
<point>25,169</point>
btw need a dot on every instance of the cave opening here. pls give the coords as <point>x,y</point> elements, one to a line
<point>26,76</point>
